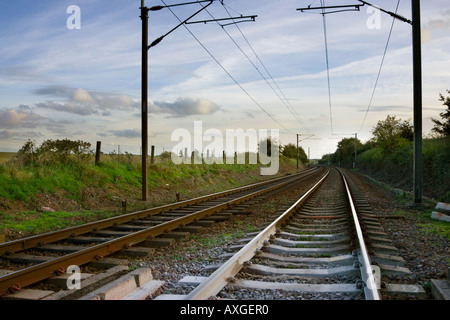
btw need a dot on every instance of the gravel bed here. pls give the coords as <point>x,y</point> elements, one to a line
<point>425,254</point>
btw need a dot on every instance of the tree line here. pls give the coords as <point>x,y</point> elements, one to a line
<point>390,151</point>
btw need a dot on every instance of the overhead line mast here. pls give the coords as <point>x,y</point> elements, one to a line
<point>417,81</point>
<point>144,72</point>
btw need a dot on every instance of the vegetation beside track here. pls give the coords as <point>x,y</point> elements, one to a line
<point>388,155</point>
<point>42,191</point>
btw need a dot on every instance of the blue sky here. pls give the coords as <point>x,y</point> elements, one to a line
<point>58,83</point>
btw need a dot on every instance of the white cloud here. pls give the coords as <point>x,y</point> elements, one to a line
<point>185,107</point>
<point>91,76</point>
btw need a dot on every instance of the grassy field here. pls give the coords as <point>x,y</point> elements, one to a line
<point>41,197</point>
<point>44,197</point>
<point>5,156</point>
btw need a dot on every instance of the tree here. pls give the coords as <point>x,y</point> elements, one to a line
<point>26,154</point>
<point>290,151</point>
<point>388,133</point>
<point>346,150</point>
<point>406,130</point>
<point>443,128</point>
<point>62,150</point>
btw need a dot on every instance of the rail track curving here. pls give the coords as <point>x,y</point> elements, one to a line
<point>326,245</point>
<point>27,261</point>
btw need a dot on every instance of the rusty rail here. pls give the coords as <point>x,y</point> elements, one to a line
<point>46,238</point>
<point>39,272</point>
<point>214,283</point>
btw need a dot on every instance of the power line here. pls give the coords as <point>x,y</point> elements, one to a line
<point>285,101</point>
<point>223,68</point>
<point>381,66</point>
<point>327,61</point>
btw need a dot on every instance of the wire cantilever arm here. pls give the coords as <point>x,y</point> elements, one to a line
<point>252,18</point>
<point>393,14</point>
<point>154,43</point>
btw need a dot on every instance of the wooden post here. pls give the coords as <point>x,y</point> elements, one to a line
<point>97,153</point>
<point>152,155</point>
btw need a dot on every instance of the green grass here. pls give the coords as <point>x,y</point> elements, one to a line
<point>31,222</point>
<point>20,184</point>
<point>24,187</point>
<point>432,226</point>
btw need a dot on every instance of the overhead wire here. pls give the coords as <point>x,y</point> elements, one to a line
<point>327,63</point>
<point>379,70</point>
<point>226,71</point>
<point>284,99</point>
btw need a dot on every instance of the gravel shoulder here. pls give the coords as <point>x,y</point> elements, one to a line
<point>425,253</point>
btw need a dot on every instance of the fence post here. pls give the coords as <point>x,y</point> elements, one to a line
<point>97,152</point>
<point>152,155</point>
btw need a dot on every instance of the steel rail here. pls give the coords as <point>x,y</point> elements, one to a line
<point>219,279</point>
<point>370,287</point>
<point>41,271</point>
<point>53,236</point>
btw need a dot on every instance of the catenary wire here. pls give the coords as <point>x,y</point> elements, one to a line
<point>226,71</point>
<point>379,70</point>
<point>327,62</point>
<point>284,99</point>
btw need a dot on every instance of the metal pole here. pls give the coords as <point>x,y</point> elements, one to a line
<point>144,116</point>
<point>356,149</point>
<point>297,151</point>
<point>417,120</point>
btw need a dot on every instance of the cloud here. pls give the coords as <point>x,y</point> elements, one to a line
<point>435,25</point>
<point>82,96</point>
<point>83,102</point>
<point>128,133</point>
<point>69,107</point>
<point>185,107</point>
<point>23,117</point>
<point>9,134</point>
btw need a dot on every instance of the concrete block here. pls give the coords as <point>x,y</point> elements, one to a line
<point>115,290</point>
<point>29,294</point>
<point>441,212</point>
<point>443,207</point>
<point>142,276</point>
<point>171,297</point>
<point>404,289</point>
<point>143,292</point>
<point>440,216</point>
<point>61,281</point>
<point>92,281</point>
<point>440,289</point>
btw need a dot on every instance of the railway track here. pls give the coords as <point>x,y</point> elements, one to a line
<point>33,260</point>
<point>326,245</point>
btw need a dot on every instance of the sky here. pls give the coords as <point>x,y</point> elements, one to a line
<point>77,74</point>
